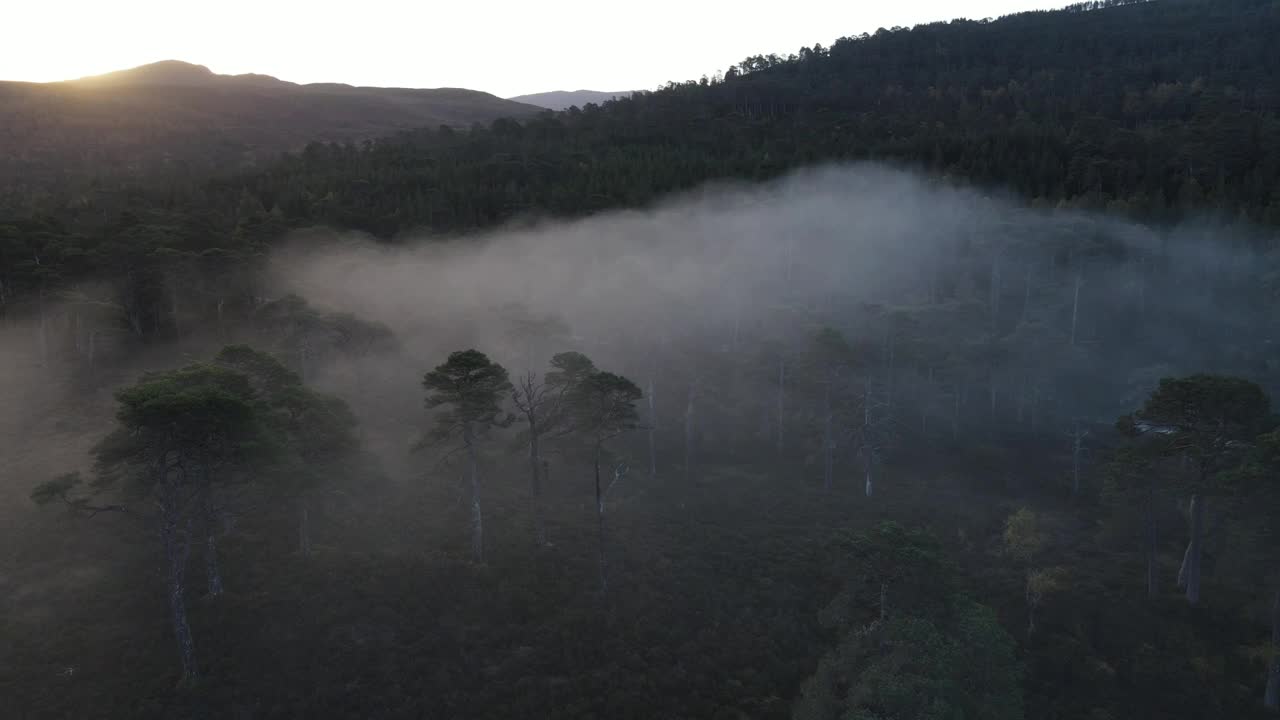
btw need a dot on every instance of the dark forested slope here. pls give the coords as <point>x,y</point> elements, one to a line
<point>1157,109</point>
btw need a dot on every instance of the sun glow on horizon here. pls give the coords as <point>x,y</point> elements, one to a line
<point>504,47</point>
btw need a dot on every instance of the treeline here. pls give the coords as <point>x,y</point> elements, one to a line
<point>1159,110</point>
<point>1156,110</point>
<point>201,449</point>
<point>203,445</point>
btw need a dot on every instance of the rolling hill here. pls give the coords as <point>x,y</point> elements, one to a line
<point>565,99</point>
<point>175,116</point>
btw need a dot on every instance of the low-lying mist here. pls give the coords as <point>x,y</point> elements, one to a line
<point>977,310</point>
<point>971,312</point>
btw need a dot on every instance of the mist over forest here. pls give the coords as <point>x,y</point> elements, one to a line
<point>828,331</point>
<point>979,293</point>
<point>812,390</point>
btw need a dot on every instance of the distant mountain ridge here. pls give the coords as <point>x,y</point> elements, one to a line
<point>173,115</point>
<point>565,99</point>
<point>180,73</point>
<point>164,72</point>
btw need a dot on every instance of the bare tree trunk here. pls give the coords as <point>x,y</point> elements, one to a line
<point>477,517</point>
<point>212,575</point>
<point>1031,608</point>
<point>1191,562</point>
<point>211,563</point>
<point>889,384</point>
<point>535,487</point>
<point>789,264</point>
<point>867,449</point>
<point>1153,588</point>
<point>827,440</point>
<point>1077,450</point>
<point>304,360</point>
<point>1075,466</point>
<point>173,306</point>
<point>1075,308</point>
<point>653,444</point>
<point>1142,293</point>
<point>782,378</point>
<point>44,332</point>
<point>604,567</point>
<point>992,390</point>
<point>177,546</point>
<point>304,528</point>
<point>688,433</point>
<point>1184,567</point>
<point>135,321</point>
<point>867,470</point>
<point>993,295</point>
<point>955,416</point>
<point>1026,293</point>
<point>1271,699</point>
<point>737,325</point>
<point>1022,399</point>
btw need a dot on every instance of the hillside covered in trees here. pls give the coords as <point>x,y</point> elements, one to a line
<point>1160,111</point>
<point>929,375</point>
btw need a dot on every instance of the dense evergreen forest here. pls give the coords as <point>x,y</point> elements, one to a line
<point>927,375</point>
<point>1160,111</point>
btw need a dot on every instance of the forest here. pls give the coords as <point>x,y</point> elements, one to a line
<point>927,375</point>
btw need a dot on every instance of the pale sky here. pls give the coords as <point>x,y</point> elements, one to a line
<point>505,47</point>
